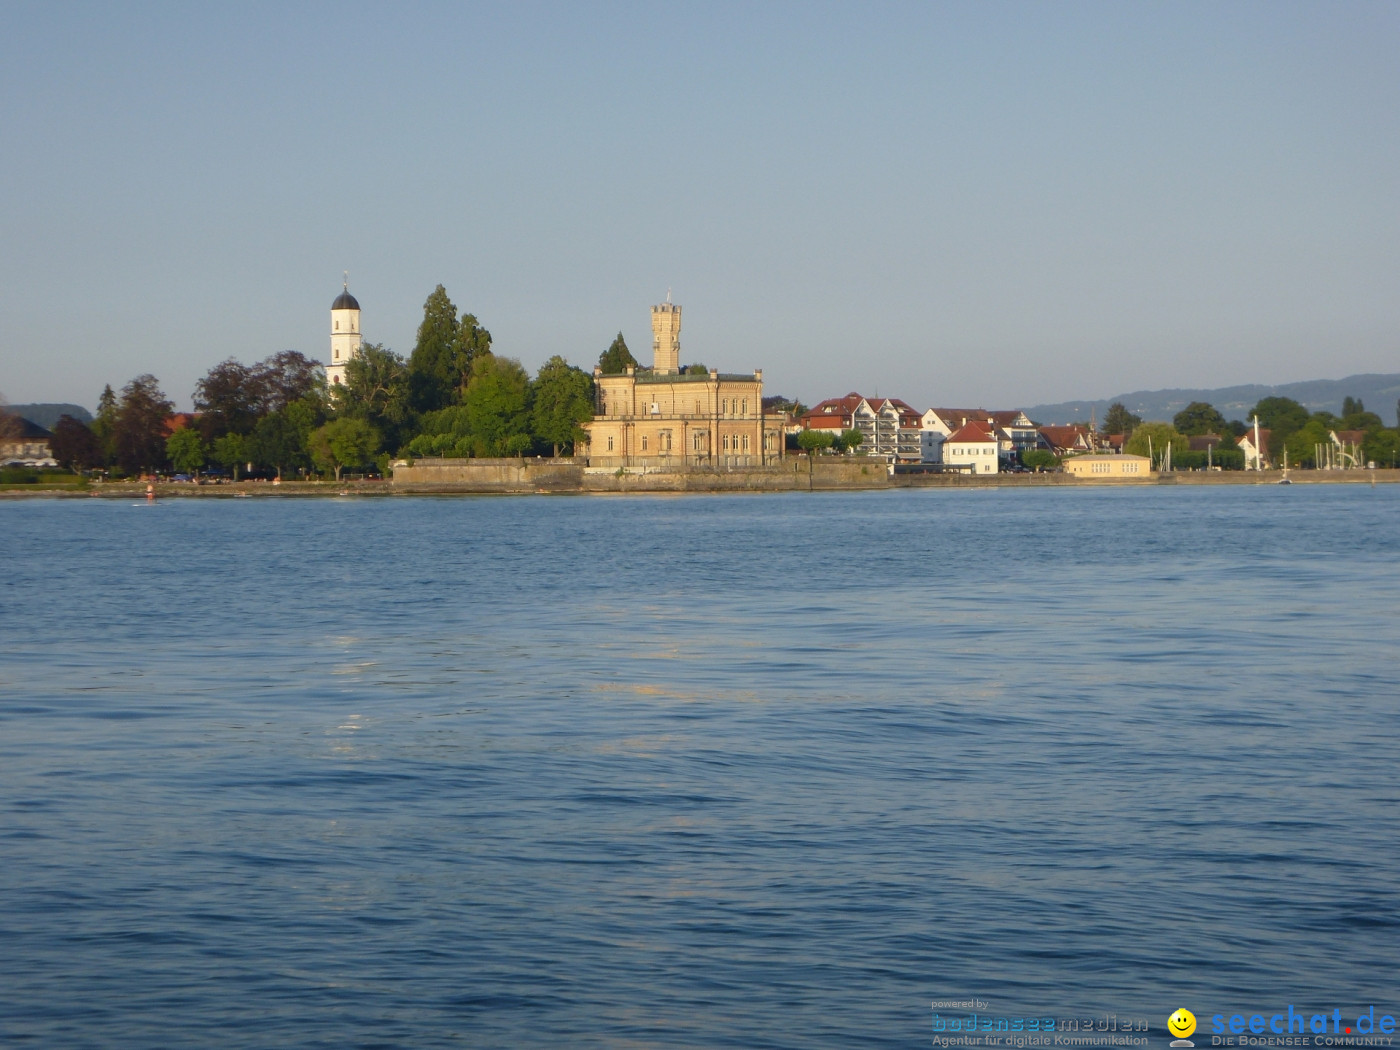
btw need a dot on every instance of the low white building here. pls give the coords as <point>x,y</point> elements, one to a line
<point>1255,458</point>
<point>1013,429</point>
<point>973,447</point>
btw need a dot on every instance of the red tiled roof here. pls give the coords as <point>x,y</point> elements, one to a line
<point>1066,436</point>
<point>820,414</point>
<point>959,416</point>
<point>178,421</point>
<point>972,431</point>
<point>1005,418</point>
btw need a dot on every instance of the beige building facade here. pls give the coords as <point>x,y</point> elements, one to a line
<point>1109,468</point>
<point>662,418</point>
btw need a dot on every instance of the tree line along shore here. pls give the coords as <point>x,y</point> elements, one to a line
<point>453,397</point>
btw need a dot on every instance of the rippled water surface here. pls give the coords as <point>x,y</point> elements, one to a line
<point>705,771</point>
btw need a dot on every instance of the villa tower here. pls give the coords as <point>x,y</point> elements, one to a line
<point>657,418</point>
<point>345,335</point>
<point>666,337</point>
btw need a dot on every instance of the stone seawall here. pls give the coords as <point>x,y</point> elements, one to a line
<point>796,474</point>
<point>567,475</point>
<point>789,475</point>
<point>983,481</point>
<point>490,475</point>
<point>793,474</point>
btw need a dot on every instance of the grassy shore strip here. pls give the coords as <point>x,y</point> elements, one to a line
<point>136,490</point>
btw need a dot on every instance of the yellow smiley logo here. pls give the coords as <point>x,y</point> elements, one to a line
<point>1182,1023</point>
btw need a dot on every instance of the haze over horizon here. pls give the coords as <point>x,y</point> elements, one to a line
<point>953,204</point>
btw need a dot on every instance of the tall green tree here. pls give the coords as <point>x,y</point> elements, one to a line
<point>1279,413</point>
<point>104,426</point>
<point>433,375</point>
<point>1381,447</point>
<point>616,359</point>
<point>74,444</point>
<point>497,405</point>
<point>232,396</point>
<point>228,399</point>
<point>231,451</point>
<point>1361,420</point>
<point>139,434</point>
<point>1351,405</point>
<point>281,440</point>
<point>344,443</point>
<point>850,440</point>
<point>1039,459</point>
<point>1156,437</point>
<point>186,450</point>
<point>473,341</point>
<point>376,390</point>
<point>446,432</point>
<point>811,441</point>
<point>1200,417</point>
<point>1282,416</point>
<point>562,396</point>
<point>1302,444</point>
<point>1118,420</point>
<point>288,377</point>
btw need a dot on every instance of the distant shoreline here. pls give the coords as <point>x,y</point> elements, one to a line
<point>718,482</point>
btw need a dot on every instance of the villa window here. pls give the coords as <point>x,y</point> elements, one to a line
<point>644,444</point>
<point>746,406</point>
<point>746,442</point>
<point>610,443</point>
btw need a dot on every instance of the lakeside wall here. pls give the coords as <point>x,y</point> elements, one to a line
<point>795,474</point>
<point>568,475</point>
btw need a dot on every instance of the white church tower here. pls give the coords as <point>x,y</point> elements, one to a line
<point>345,335</point>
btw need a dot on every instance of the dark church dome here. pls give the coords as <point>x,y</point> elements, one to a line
<point>345,301</point>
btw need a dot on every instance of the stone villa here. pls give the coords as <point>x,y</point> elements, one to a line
<point>665,418</point>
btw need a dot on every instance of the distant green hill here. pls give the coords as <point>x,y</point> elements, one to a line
<point>1379,392</point>
<point>47,415</point>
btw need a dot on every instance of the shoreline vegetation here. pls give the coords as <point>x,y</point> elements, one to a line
<point>459,417</point>
<point>529,477</point>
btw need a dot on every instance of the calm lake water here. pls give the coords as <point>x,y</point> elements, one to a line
<point>712,771</point>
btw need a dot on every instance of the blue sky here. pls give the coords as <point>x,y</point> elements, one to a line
<point>988,203</point>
